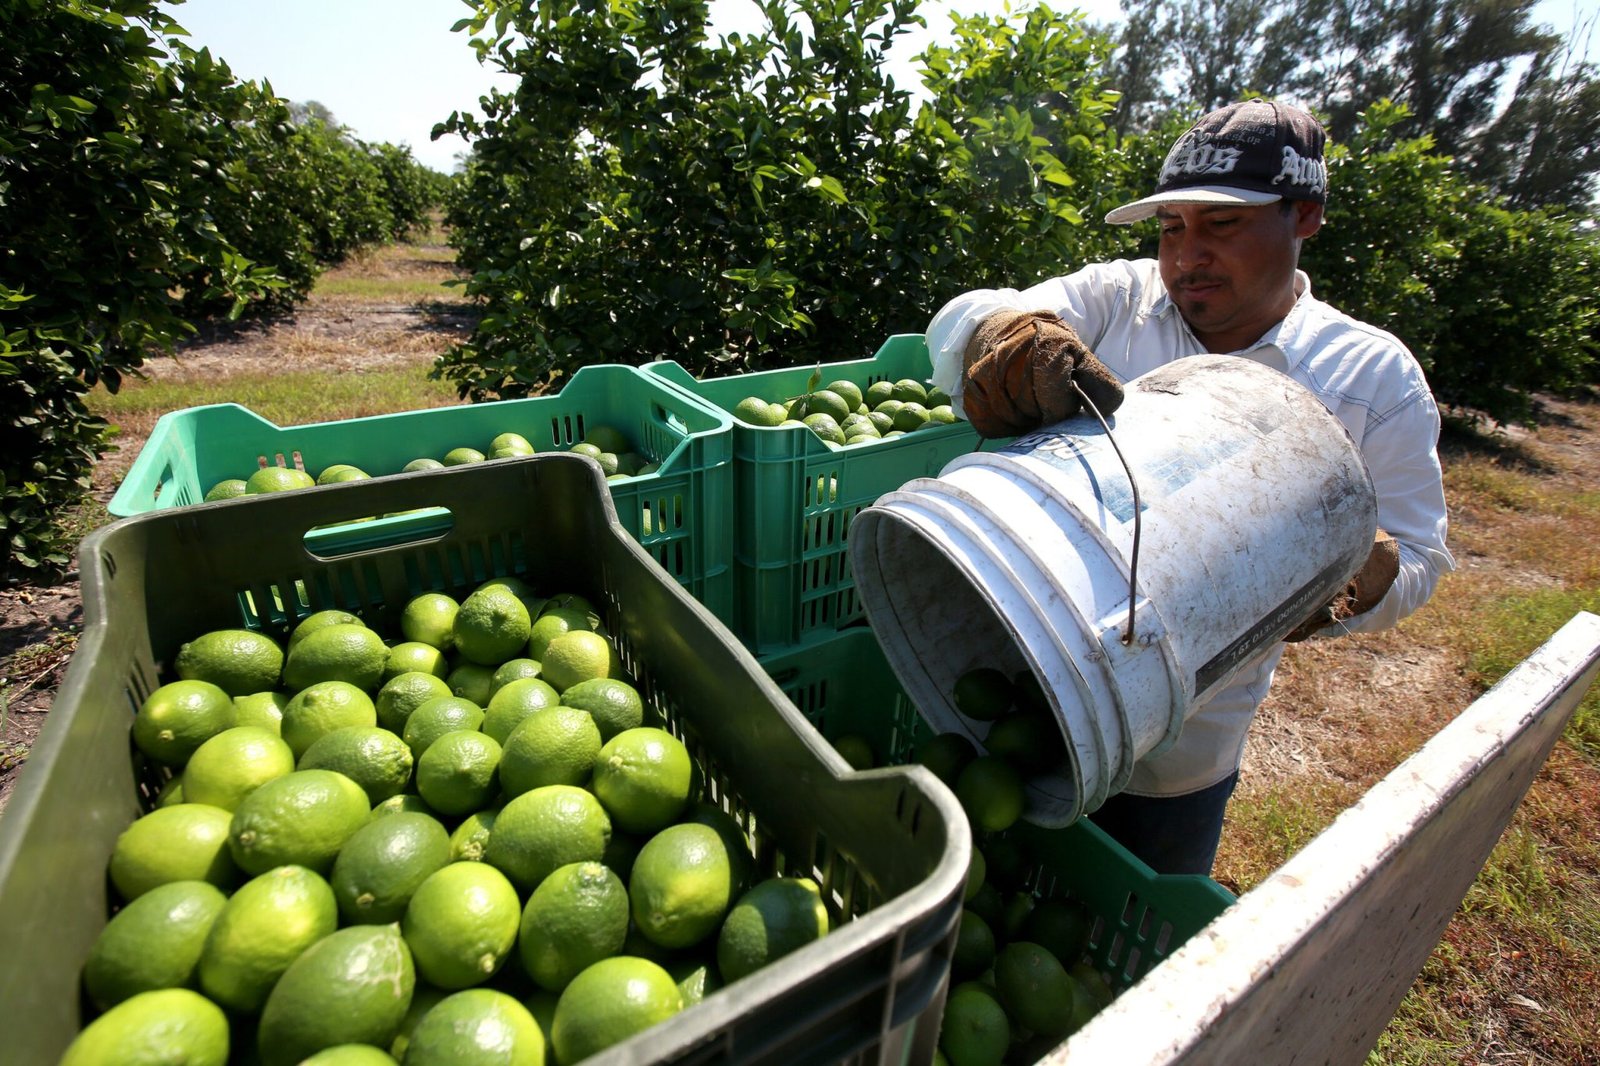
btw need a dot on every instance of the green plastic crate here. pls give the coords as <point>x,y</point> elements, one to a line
<point>843,684</point>
<point>889,846</point>
<point>679,512</point>
<point>796,495</point>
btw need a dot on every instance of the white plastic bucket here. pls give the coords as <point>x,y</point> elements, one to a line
<point>1255,509</point>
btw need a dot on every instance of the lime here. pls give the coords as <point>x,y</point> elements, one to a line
<point>492,626</point>
<point>1018,908</point>
<point>404,693</point>
<point>941,415</point>
<point>317,620</point>
<point>583,447</point>
<point>974,1030</point>
<point>1060,926</point>
<point>937,397</point>
<point>478,1027</point>
<point>520,589</point>
<point>545,829</point>
<point>322,707</point>
<point>350,987</point>
<point>877,392</point>
<point>456,775</point>
<point>430,618</point>
<point>1007,862</point>
<point>1093,982</point>
<point>735,840</point>
<point>777,916</point>
<point>642,779</point>
<point>263,928</point>
<point>405,803</point>
<point>946,754</point>
<point>350,1055</point>
<point>983,693</point>
<point>827,402</point>
<point>278,479</point>
<point>184,842</point>
<point>581,655</point>
<point>758,411</point>
<point>263,709</point>
<point>606,438</point>
<point>344,652</point>
<point>463,456</point>
<point>414,656</point>
<point>383,862</point>
<point>991,792</point>
<point>461,924</point>
<point>1027,740</point>
<point>302,818</point>
<point>614,704</point>
<point>514,702</point>
<point>227,489</point>
<point>153,942</point>
<point>178,717</point>
<point>341,472</point>
<point>848,391</point>
<point>825,427</point>
<point>471,836</point>
<point>512,670</point>
<point>696,978</point>
<point>438,716</point>
<point>424,463</point>
<point>424,999</point>
<point>513,443</point>
<point>909,390</point>
<point>154,1029</point>
<point>171,792</point>
<point>856,750</point>
<point>577,916</point>
<point>609,1002</point>
<point>554,746</point>
<point>554,621</point>
<point>232,764</point>
<point>471,681</point>
<point>1036,991</point>
<point>975,948</point>
<point>681,885</point>
<point>373,758</point>
<point>239,661</point>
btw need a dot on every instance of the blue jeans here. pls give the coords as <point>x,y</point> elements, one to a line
<point>1171,834</point>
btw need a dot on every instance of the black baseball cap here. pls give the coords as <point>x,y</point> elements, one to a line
<point>1251,152</point>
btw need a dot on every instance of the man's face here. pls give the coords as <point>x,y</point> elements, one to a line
<point>1231,269</point>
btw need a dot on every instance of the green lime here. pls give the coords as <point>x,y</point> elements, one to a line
<point>303,818</point>
<point>991,792</point>
<point>404,803</point>
<point>319,620</point>
<point>827,402</point>
<point>696,978</point>
<point>153,942</point>
<point>911,417</point>
<point>154,1029</point>
<point>975,947</point>
<point>1035,988</point>
<point>438,716</point>
<point>380,866</point>
<point>345,652</point>
<point>278,479</point>
<point>681,885</point>
<point>431,619</point>
<point>492,626</point>
<point>350,987</point>
<point>609,1002</point>
<point>263,709</point>
<point>477,1027</point>
<point>856,750</point>
<point>239,661</point>
<point>1060,926</point>
<point>414,656</point>
<point>554,621</point>
<point>511,444</point>
<point>515,701</point>
<point>424,463</point>
<point>576,656</point>
<point>471,836</point>
<point>178,717</point>
<point>403,694</point>
<point>350,1055</point>
<point>759,411</point>
<point>227,489</point>
<point>463,456</point>
<point>606,438</point>
<point>825,427</point>
<point>877,392</point>
<point>233,764</point>
<point>457,773</point>
<point>909,390</point>
<point>341,472</point>
<point>461,924</point>
<point>577,916</point>
<point>946,754</point>
<point>263,928</point>
<point>372,757</point>
<point>614,704</point>
<point>323,707</point>
<point>512,670</point>
<point>554,746</point>
<point>974,1030</point>
<point>777,916</point>
<point>184,842</point>
<point>983,694</point>
<point>642,778</point>
<point>848,391</point>
<point>424,999</point>
<point>545,829</point>
<point>471,681</point>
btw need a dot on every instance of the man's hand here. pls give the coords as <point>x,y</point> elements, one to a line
<point>1362,593</point>
<point>1019,369</point>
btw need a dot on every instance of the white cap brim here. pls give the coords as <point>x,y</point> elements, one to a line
<point>1140,210</point>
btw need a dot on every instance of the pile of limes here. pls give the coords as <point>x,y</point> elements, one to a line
<point>843,414</point>
<point>1022,979</point>
<point>607,445</point>
<point>466,841</point>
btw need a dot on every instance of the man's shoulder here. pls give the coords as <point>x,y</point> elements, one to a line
<point>1341,354</point>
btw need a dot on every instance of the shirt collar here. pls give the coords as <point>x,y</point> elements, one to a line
<point>1289,326</point>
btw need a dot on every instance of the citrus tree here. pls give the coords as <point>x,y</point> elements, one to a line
<point>649,191</point>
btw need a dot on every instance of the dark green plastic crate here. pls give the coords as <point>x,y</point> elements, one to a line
<point>679,512</point>
<point>796,494</point>
<point>890,846</point>
<point>844,685</point>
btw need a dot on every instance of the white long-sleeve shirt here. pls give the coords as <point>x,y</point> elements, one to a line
<point>1365,376</point>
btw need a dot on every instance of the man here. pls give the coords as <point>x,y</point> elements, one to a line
<point>1238,195</point>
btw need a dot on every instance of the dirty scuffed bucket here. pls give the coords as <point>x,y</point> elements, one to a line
<point>1255,508</point>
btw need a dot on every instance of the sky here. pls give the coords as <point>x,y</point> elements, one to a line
<point>390,69</point>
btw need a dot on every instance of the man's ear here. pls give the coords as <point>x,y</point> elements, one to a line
<point>1308,218</point>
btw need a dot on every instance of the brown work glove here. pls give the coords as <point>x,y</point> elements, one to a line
<point>1362,593</point>
<point>1019,369</point>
